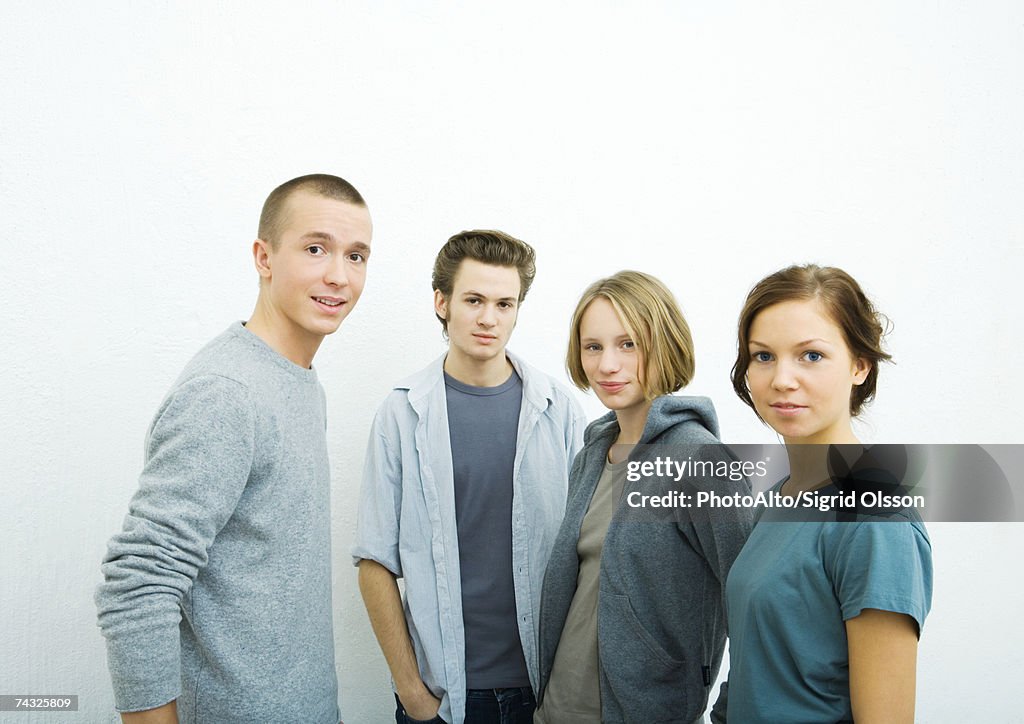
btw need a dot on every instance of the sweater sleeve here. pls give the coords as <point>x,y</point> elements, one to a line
<point>719,532</point>
<point>199,453</point>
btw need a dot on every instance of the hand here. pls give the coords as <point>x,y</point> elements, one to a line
<point>166,714</point>
<point>422,706</point>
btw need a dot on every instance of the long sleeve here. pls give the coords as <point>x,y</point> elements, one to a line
<point>380,497</point>
<point>199,455</point>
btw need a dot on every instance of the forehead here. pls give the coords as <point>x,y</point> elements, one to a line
<point>305,211</point>
<point>794,321</point>
<point>600,319</point>
<point>488,279</point>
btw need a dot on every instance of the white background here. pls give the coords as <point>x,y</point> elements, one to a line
<point>708,143</point>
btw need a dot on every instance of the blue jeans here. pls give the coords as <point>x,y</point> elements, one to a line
<point>488,706</point>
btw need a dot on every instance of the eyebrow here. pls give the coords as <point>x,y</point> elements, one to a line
<point>620,338</point>
<point>318,235</point>
<point>324,236</point>
<point>798,344</point>
<point>471,293</point>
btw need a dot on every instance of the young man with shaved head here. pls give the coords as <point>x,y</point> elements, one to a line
<point>216,600</point>
<point>464,488</point>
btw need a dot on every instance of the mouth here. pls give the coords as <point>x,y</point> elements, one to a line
<point>611,386</point>
<point>329,304</point>
<point>485,338</point>
<point>787,408</point>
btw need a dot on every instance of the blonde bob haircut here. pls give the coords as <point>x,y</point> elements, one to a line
<point>651,315</point>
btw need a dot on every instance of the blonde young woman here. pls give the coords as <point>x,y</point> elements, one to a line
<point>632,626</point>
<point>824,616</point>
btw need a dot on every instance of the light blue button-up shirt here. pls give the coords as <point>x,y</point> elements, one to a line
<point>407,514</point>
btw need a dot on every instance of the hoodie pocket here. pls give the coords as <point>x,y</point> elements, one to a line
<point>647,684</point>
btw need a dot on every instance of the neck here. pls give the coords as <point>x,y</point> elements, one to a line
<point>632,422</point>
<point>295,346</point>
<point>808,461</point>
<point>478,373</point>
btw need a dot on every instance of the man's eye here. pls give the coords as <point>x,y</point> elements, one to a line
<point>316,250</point>
<point>356,257</point>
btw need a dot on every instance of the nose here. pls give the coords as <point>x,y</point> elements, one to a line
<point>610,362</point>
<point>784,377</point>
<point>487,316</point>
<point>336,273</point>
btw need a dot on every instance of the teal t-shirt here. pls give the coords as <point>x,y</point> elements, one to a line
<point>789,593</point>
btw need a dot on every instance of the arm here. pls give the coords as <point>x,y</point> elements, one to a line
<point>384,606</point>
<point>883,664</point>
<point>199,452</point>
<point>166,714</point>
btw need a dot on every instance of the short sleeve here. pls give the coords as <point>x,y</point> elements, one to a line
<point>884,565</point>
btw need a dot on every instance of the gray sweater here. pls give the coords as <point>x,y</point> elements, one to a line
<point>217,592</point>
<point>661,619</point>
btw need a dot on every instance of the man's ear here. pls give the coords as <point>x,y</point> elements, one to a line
<point>261,253</point>
<point>440,304</point>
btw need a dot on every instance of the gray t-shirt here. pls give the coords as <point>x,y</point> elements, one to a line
<point>483,423</point>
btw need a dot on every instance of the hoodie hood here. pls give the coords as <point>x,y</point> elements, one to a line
<point>666,412</point>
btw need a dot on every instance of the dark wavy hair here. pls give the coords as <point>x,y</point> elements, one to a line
<point>843,300</point>
<point>489,247</point>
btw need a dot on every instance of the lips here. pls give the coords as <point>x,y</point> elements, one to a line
<point>787,408</point>
<point>329,304</point>
<point>485,338</point>
<point>611,386</point>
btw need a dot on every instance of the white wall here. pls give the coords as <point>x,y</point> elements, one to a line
<point>709,143</point>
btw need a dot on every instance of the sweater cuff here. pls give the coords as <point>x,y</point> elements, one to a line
<point>145,671</point>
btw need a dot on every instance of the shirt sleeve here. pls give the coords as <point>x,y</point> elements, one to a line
<point>199,453</point>
<point>380,496</point>
<point>884,565</point>
<point>574,431</point>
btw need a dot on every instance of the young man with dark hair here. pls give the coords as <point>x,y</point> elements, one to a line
<point>464,488</point>
<point>216,600</point>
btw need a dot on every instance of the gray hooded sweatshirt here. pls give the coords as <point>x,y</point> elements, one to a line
<point>661,617</point>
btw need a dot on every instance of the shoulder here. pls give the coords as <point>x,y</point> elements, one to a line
<point>239,355</point>
<point>600,429</point>
<point>543,388</point>
<point>422,382</point>
<point>411,396</point>
<point>681,419</point>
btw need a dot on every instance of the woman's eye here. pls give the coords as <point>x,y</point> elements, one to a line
<point>592,348</point>
<point>629,344</point>
<point>813,356</point>
<point>763,356</point>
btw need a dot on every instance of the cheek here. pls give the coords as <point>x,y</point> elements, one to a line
<point>756,383</point>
